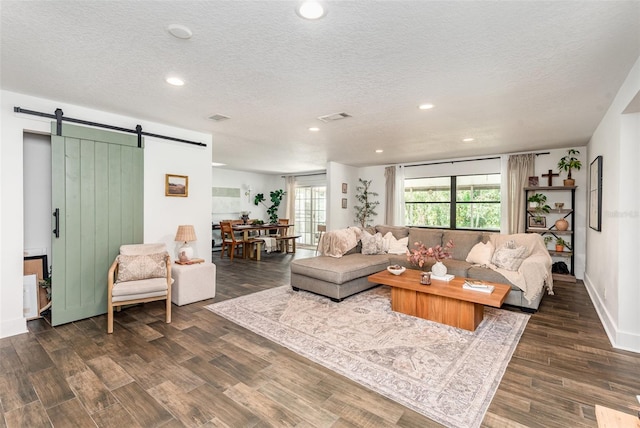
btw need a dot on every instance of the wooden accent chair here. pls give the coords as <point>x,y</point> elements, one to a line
<point>140,274</point>
<point>230,240</point>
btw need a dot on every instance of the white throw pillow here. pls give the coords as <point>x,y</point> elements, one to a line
<point>396,246</point>
<point>372,244</point>
<point>509,258</point>
<point>481,254</point>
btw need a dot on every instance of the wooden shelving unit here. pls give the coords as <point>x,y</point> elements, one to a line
<point>567,213</point>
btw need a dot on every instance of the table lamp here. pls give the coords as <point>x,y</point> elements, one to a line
<point>185,234</point>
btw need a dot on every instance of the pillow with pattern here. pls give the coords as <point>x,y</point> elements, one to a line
<point>372,244</point>
<point>135,268</point>
<point>509,258</point>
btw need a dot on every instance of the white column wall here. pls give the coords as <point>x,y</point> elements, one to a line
<point>161,214</point>
<point>611,272</point>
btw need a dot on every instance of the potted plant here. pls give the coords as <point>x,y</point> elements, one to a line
<point>569,162</point>
<point>276,197</point>
<point>367,208</point>
<point>560,244</point>
<point>547,239</point>
<point>540,201</point>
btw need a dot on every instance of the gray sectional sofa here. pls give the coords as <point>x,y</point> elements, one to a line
<point>338,278</point>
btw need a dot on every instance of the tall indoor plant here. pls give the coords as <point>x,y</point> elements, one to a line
<point>569,162</point>
<point>272,210</point>
<point>367,207</point>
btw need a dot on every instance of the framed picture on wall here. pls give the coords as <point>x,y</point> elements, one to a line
<point>176,185</point>
<point>344,202</point>
<point>344,187</point>
<point>533,181</point>
<point>595,194</point>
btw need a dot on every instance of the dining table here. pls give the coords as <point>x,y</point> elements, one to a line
<point>246,229</point>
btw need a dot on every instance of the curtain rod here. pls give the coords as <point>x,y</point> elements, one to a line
<point>305,175</point>
<point>466,160</point>
<point>58,116</point>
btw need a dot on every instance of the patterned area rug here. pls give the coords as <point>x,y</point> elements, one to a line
<point>447,374</point>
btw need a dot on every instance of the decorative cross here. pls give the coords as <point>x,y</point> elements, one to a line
<point>550,175</point>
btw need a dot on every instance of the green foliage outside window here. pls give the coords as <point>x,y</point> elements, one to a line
<point>477,202</point>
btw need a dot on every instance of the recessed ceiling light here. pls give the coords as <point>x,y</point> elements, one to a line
<point>179,31</point>
<point>175,81</point>
<point>314,129</point>
<point>468,140</point>
<point>217,164</point>
<point>379,151</point>
<point>310,9</point>
<point>425,106</point>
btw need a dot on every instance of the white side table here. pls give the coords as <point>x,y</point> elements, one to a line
<point>193,283</point>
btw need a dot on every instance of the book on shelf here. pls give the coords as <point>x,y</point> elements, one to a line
<point>476,285</point>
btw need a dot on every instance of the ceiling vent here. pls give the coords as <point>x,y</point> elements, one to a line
<point>333,117</point>
<point>219,117</point>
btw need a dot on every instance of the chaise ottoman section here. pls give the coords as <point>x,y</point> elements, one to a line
<point>336,278</point>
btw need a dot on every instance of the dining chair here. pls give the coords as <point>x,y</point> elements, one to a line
<point>230,240</point>
<point>141,273</point>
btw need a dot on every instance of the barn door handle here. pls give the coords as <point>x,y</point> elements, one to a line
<point>56,214</point>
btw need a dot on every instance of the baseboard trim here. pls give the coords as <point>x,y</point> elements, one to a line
<point>619,339</point>
<point>13,327</point>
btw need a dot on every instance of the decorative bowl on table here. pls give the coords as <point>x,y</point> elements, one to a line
<point>396,269</point>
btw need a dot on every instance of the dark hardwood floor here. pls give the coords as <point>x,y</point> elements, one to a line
<point>202,370</point>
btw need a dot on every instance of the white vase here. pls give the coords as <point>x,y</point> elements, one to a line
<point>439,269</point>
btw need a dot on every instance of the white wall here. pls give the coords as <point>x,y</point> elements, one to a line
<point>259,183</point>
<point>161,214</point>
<point>337,173</point>
<point>612,254</point>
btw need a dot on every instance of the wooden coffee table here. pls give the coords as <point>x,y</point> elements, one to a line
<point>445,302</point>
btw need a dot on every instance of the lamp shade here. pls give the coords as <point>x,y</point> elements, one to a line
<point>185,233</point>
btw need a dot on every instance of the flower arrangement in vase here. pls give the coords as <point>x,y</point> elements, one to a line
<point>421,254</point>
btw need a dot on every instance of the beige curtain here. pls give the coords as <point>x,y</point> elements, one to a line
<point>519,169</point>
<point>390,195</point>
<point>290,198</point>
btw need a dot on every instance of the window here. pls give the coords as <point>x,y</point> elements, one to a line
<point>475,203</point>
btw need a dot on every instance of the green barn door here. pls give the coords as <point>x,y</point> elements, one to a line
<point>97,190</point>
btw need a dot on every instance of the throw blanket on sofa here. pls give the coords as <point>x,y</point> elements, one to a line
<point>337,243</point>
<point>535,271</point>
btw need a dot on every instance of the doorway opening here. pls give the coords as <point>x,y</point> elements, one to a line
<point>311,211</point>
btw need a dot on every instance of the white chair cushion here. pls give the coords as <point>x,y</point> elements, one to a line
<point>144,286</point>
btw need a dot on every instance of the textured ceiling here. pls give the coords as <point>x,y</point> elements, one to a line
<point>513,75</point>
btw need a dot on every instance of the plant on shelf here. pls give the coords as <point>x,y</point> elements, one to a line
<point>560,244</point>
<point>569,162</point>
<point>276,197</point>
<point>367,207</point>
<point>541,207</point>
<point>547,239</point>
